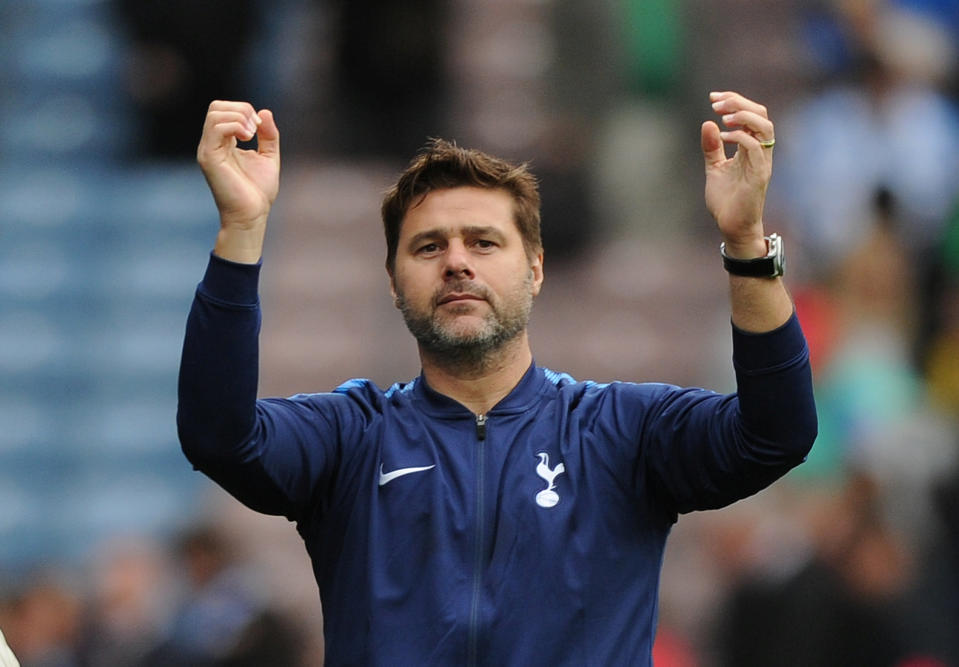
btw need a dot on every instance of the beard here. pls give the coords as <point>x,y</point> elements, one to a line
<point>443,338</point>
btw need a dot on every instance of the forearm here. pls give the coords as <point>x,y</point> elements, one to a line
<point>269,453</point>
<point>777,411</point>
<point>709,450</point>
<point>758,305</point>
<point>219,367</point>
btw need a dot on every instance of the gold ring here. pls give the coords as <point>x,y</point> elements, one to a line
<point>768,144</point>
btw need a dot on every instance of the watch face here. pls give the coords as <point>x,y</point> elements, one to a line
<point>777,254</point>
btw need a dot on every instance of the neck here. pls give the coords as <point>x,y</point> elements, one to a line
<point>479,384</point>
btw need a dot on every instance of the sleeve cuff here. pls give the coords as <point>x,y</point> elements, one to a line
<point>756,352</point>
<point>231,282</point>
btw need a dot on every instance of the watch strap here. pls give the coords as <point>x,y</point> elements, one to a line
<point>772,265</point>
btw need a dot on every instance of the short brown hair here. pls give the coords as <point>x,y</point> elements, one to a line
<point>442,165</point>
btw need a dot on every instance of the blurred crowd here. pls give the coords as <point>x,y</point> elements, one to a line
<point>855,561</point>
<point>190,602</point>
<point>854,558</point>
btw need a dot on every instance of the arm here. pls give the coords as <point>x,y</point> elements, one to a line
<point>220,363</point>
<point>271,454</point>
<point>735,194</point>
<point>706,450</point>
<point>221,429</point>
<point>710,450</point>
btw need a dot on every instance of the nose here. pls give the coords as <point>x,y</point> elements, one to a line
<point>458,262</point>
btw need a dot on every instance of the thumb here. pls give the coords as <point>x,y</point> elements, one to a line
<point>267,135</point>
<point>712,144</point>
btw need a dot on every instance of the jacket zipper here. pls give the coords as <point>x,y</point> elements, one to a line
<point>481,427</point>
<point>473,640</point>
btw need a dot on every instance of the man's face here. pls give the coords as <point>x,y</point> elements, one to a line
<point>462,277</point>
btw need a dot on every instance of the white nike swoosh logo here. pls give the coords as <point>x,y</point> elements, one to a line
<point>387,477</point>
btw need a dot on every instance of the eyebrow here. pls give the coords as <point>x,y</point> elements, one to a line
<point>443,232</point>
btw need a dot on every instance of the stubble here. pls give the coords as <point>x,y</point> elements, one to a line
<point>476,348</point>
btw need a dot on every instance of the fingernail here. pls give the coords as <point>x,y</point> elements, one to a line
<point>717,105</point>
<point>257,119</point>
<point>728,118</point>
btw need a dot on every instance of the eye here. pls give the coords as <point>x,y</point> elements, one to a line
<point>428,249</point>
<point>485,244</point>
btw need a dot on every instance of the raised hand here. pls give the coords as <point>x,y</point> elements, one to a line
<point>244,182</point>
<point>736,186</point>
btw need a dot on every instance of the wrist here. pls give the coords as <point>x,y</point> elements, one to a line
<point>240,245</point>
<point>771,264</point>
<point>751,248</point>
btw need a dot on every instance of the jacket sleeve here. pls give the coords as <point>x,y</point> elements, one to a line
<point>270,454</point>
<point>704,450</point>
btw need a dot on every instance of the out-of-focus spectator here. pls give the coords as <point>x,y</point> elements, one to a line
<point>134,611</point>
<point>868,382</point>
<point>854,588</point>
<point>898,131</point>
<point>42,621</point>
<point>939,582</point>
<point>222,619</point>
<point>129,606</point>
<point>870,395</point>
<point>841,607</point>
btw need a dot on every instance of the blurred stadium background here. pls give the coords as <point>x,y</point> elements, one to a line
<point>114,552</point>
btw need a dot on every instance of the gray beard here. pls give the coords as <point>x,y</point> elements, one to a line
<point>501,325</point>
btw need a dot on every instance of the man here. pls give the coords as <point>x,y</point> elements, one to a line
<point>490,511</point>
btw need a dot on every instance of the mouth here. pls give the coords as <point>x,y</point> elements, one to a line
<point>458,297</point>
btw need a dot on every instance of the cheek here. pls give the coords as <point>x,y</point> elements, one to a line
<point>412,287</point>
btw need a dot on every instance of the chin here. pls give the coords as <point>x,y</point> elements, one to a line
<point>465,332</point>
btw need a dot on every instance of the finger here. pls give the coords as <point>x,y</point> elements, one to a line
<point>223,121</point>
<point>220,136</point>
<point>267,134</point>
<point>746,142</point>
<point>760,126</point>
<point>220,111</point>
<point>227,105</point>
<point>712,143</point>
<point>730,102</point>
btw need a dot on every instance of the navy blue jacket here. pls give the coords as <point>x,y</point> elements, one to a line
<point>532,535</point>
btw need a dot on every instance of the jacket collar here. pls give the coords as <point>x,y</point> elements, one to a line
<point>526,392</point>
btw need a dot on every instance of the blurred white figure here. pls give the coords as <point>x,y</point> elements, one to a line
<point>7,658</point>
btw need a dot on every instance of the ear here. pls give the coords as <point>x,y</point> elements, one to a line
<point>536,269</point>
<point>393,294</point>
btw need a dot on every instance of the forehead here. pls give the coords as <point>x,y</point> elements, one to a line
<point>460,207</point>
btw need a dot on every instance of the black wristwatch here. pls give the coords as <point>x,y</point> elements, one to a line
<point>770,266</point>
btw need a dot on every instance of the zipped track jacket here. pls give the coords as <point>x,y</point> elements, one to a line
<point>531,535</point>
